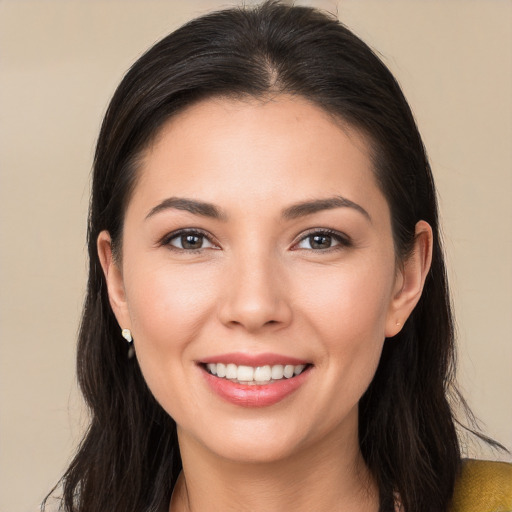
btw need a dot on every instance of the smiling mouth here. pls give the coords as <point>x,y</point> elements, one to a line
<point>255,375</point>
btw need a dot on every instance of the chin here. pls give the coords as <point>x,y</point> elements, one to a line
<point>259,452</point>
<point>247,442</point>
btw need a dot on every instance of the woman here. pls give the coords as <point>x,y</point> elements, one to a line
<point>263,234</point>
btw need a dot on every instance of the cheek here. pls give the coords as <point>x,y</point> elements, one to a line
<point>348,315</point>
<point>349,303</point>
<point>167,307</point>
<point>162,293</point>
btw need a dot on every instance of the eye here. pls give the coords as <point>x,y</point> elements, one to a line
<point>189,240</point>
<point>322,240</point>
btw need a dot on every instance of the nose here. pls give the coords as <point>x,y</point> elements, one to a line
<point>255,295</point>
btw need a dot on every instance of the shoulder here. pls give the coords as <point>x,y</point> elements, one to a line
<point>483,486</point>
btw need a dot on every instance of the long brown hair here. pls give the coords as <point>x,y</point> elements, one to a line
<point>129,458</point>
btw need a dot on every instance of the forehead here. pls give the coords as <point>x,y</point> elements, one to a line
<point>267,114</point>
<point>277,149</point>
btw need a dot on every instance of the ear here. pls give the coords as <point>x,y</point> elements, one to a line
<point>410,280</point>
<point>114,279</point>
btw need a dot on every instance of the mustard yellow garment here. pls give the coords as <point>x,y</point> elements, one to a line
<point>483,486</point>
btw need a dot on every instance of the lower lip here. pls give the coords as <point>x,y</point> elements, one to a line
<point>254,395</point>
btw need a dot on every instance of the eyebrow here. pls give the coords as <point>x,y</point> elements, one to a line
<point>310,207</point>
<point>189,205</point>
<point>292,212</point>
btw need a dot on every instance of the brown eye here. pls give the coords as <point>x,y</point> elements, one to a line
<point>320,241</point>
<point>323,240</point>
<point>190,241</point>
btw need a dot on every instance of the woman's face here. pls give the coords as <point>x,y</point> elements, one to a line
<point>258,243</point>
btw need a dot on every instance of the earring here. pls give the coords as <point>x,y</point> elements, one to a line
<point>127,335</point>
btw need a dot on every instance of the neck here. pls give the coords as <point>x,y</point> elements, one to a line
<point>327,476</point>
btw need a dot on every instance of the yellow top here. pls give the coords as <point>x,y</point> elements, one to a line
<point>483,486</point>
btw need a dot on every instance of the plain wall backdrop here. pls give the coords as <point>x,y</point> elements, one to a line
<point>59,64</point>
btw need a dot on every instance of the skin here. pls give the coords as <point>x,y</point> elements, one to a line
<point>258,285</point>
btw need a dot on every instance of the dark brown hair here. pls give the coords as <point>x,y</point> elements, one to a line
<point>129,458</point>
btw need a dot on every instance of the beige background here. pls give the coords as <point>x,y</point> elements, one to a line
<point>59,64</point>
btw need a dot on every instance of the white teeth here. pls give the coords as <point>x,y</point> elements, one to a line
<point>255,375</point>
<point>262,373</point>
<point>244,373</point>
<point>221,370</point>
<point>299,369</point>
<point>288,371</point>
<point>277,371</point>
<point>231,371</point>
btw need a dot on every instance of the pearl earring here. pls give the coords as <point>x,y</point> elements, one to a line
<point>127,335</point>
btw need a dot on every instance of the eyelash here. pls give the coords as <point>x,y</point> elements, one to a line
<point>342,240</point>
<point>166,241</point>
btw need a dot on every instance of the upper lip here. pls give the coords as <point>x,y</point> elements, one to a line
<point>242,359</point>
